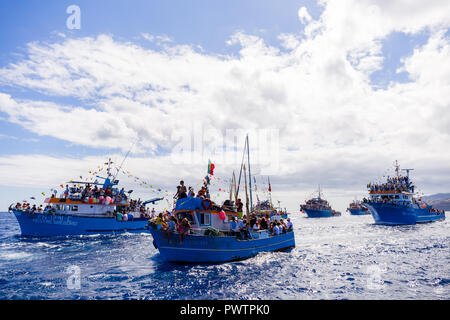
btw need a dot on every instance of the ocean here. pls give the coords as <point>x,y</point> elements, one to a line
<point>345,257</point>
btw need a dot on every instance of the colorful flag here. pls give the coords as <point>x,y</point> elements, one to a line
<point>210,168</point>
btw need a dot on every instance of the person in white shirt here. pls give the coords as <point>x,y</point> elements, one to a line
<point>276,229</point>
<point>256,226</point>
<point>289,225</point>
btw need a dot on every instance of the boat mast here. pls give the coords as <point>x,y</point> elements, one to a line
<point>270,191</point>
<point>240,171</point>
<point>233,187</point>
<point>246,193</point>
<point>249,175</point>
<point>126,156</point>
<point>397,167</point>
<point>407,177</point>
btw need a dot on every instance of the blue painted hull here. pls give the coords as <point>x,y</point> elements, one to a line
<point>358,212</point>
<point>209,249</point>
<point>389,214</point>
<point>312,213</point>
<point>49,225</point>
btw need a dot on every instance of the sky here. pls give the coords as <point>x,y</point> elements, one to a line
<point>331,93</point>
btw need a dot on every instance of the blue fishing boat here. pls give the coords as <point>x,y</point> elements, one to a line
<point>266,208</point>
<point>356,208</point>
<point>211,237</point>
<point>318,208</point>
<point>394,202</point>
<point>107,211</point>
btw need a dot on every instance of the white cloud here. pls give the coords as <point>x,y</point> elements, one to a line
<point>303,15</point>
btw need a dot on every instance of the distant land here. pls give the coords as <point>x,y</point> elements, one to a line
<point>439,201</point>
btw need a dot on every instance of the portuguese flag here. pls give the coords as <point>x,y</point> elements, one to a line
<point>210,167</point>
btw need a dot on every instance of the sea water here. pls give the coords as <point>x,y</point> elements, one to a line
<point>345,257</point>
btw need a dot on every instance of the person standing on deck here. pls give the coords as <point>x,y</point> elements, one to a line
<point>239,205</point>
<point>181,191</point>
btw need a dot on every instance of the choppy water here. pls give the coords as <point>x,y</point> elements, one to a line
<point>343,257</point>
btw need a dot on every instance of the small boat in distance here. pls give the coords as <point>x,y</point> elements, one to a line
<point>94,208</point>
<point>394,202</point>
<point>318,208</point>
<point>211,234</point>
<point>356,208</point>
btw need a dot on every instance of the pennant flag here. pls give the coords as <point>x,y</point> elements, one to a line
<point>210,167</point>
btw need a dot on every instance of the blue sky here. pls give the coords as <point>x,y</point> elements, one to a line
<point>341,79</point>
<point>198,22</point>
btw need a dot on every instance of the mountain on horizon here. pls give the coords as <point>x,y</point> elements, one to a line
<point>439,201</point>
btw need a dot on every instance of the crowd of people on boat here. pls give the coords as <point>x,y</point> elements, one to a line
<point>31,209</point>
<point>316,204</point>
<point>95,194</point>
<point>242,228</point>
<point>239,227</point>
<point>403,203</point>
<point>393,184</point>
<point>182,192</point>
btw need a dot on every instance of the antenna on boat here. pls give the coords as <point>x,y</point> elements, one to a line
<point>397,167</point>
<point>407,172</point>
<point>407,175</point>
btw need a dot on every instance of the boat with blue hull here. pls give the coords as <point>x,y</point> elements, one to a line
<point>318,208</point>
<point>211,233</point>
<point>95,208</point>
<point>356,208</point>
<point>197,248</point>
<point>394,202</point>
<point>53,224</point>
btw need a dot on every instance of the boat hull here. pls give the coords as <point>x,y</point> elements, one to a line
<point>210,249</point>
<point>49,225</point>
<point>388,214</point>
<point>358,212</point>
<point>313,213</point>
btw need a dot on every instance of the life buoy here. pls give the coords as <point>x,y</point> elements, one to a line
<point>222,215</point>
<point>207,207</point>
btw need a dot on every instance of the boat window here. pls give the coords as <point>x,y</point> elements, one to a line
<point>205,218</point>
<point>397,196</point>
<point>66,208</point>
<point>74,208</point>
